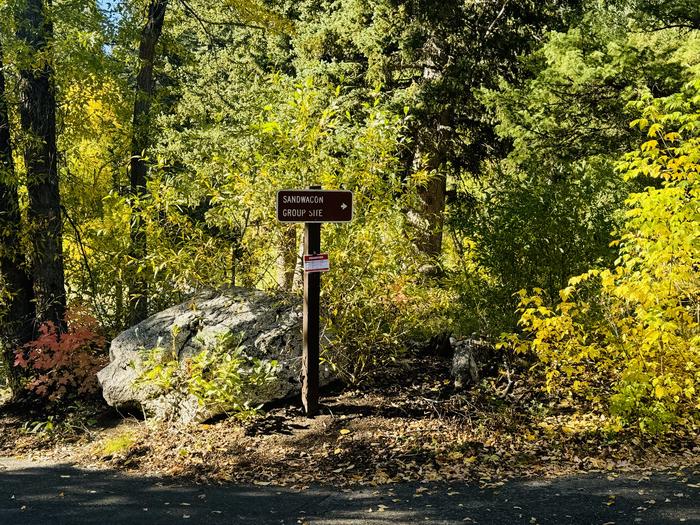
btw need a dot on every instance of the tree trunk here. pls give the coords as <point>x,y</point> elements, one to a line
<point>286,257</point>
<point>431,155</point>
<point>429,218</point>
<point>298,277</point>
<point>432,215</point>
<point>17,320</point>
<point>38,120</point>
<point>138,286</point>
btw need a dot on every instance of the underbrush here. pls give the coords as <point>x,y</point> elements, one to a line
<point>408,423</point>
<point>627,339</point>
<point>221,377</point>
<point>60,366</point>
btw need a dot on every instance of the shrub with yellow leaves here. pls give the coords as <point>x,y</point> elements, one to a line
<point>627,339</point>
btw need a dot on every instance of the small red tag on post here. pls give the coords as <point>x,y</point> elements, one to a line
<point>316,263</point>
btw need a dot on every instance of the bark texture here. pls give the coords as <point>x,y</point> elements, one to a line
<point>286,258</point>
<point>431,148</point>
<point>431,156</point>
<point>38,121</point>
<point>141,138</point>
<point>17,318</point>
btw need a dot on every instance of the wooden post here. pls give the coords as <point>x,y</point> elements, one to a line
<point>312,322</point>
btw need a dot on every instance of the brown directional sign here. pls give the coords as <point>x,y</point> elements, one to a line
<point>314,206</point>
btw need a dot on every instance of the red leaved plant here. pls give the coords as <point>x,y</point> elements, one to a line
<point>64,363</point>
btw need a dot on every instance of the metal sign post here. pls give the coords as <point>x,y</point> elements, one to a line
<point>313,207</point>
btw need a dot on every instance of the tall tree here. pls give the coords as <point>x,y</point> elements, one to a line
<point>38,120</point>
<point>432,57</point>
<point>16,325</point>
<point>141,138</point>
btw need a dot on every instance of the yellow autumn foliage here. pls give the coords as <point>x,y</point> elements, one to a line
<point>627,339</point>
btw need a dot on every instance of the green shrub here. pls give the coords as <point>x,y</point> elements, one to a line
<point>372,322</point>
<point>221,377</point>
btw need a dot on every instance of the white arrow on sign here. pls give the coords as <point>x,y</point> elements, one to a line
<point>343,206</point>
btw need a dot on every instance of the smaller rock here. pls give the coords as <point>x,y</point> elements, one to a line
<point>470,358</point>
<point>464,368</point>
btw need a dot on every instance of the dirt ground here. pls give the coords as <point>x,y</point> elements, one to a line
<point>410,424</point>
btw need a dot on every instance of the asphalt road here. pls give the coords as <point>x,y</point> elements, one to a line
<point>35,494</point>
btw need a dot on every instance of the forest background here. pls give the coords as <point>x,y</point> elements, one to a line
<point>525,171</point>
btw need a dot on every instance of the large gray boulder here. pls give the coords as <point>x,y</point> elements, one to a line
<point>269,328</point>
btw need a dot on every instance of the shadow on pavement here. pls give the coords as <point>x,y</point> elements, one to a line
<point>62,494</point>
